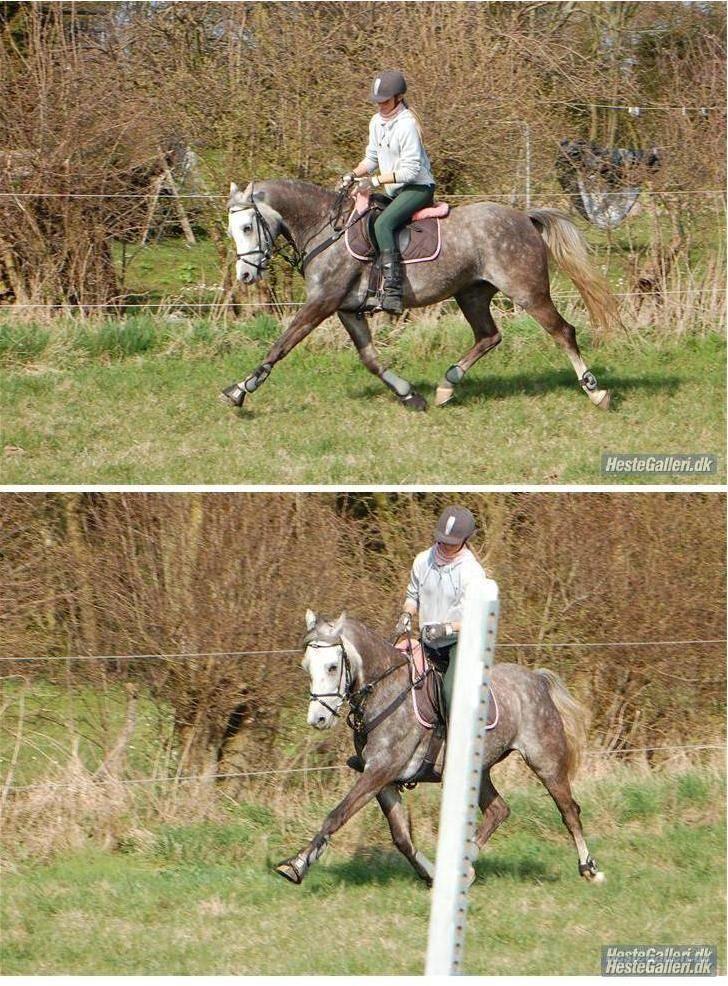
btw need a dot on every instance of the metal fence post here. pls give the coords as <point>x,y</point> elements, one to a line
<point>456,848</point>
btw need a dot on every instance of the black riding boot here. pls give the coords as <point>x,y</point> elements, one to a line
<point>391,263</point>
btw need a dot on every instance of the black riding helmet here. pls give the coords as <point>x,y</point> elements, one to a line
<point>386,84</point>
<point>456,525</point>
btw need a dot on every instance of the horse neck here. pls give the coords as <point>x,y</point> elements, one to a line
<point>377,654</point>
<point>302,205</point>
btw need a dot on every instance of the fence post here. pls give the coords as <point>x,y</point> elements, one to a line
<point>456,848</point>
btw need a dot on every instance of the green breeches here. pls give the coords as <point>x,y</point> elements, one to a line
<point>396,215</point>
<point>448,680</point>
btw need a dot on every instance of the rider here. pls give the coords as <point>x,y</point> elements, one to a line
<point>396,149</point>
<point>437,584</point>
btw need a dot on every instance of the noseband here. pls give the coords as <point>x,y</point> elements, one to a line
<point>345,676</point>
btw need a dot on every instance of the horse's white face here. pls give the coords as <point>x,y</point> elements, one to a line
<point>325,666</point>
<point>248,234</point>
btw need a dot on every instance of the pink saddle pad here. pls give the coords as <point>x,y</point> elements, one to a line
<point>438,211</point>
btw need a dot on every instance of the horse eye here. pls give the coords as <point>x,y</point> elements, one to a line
<point>332,668</point>
<point>247,229</point>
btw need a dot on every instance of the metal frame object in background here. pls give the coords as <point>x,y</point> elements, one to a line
<point>456,847</point>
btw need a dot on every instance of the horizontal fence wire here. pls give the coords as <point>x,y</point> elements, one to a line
<point>181,655</point>
<point>676,192</point>
<point>190,778</point>
<point>298,304</point>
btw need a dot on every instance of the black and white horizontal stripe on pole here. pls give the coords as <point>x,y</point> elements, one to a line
<point>456,847</point>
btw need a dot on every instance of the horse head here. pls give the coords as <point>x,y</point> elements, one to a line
<point>254,227</point>
<point>333,664</point>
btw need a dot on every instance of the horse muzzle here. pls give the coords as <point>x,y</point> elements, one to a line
<point>248,274</point>
<point>319,716</point>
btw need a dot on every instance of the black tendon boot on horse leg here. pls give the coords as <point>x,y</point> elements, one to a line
<point>391,263</point>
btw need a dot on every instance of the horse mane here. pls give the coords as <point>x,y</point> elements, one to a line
<point>287,187</point>
<point>363,636</point>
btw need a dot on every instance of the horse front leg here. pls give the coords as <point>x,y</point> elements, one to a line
<point>367,785</point>
<point>305,321</point>
<point>360,334</point>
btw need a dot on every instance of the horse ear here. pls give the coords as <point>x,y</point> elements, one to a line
<point>310,619</point>
<point>233,188</point>
<point>338,626</point>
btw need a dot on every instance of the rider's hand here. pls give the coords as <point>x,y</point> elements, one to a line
<point>434,632</point>
<point>347,180</point>
<point>404,625</point>
<point>367,184</point>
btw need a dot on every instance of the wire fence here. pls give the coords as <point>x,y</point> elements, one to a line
<point>190,656</point>
<point>506,645</point>
<point>182,304</point>
<point>246,774</point>
<point>542,193</point>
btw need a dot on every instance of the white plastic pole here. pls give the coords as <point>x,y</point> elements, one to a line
<point>456,848</point>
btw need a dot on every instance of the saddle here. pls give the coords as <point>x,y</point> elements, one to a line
<point>419,241</point>
<point>427,697</point>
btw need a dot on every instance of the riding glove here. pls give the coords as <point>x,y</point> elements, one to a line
<point>368,184</point>
<point>434,632</point>
<point>404,625</point>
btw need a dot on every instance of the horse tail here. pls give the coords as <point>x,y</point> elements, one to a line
<point>571,253</point>
<point>574,716</point>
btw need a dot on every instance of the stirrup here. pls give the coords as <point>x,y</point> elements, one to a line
<point>370,305</point>
<point>398,308</point>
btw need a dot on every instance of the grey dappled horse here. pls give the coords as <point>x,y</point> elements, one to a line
<point>349,663</point>
<point>486,248</point>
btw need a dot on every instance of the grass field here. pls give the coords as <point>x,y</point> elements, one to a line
<point>200,898</point>
<point>136,402</point>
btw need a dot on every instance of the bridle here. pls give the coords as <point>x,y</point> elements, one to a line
<point>345,676</point>
<point>266,240</point>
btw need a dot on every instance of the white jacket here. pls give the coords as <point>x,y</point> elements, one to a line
<point>438,590</point>
<point>396,146</point>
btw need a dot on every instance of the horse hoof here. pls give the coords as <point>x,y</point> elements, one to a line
<point>234,394</point>
<point>601,399</point>
<point>597,877</point>
<point>443,395</point>
<point>414,402</point>
<point>288,871</point>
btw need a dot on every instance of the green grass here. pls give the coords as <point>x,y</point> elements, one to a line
<point>138,403</point>
<point>201,898</point>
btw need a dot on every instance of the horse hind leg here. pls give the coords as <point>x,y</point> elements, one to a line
<point>360,334</point>
<point>564,335</point>
<point>474,302</point>
<point>553,773</point>
<point>390,802</point>
<point>495,812</point>
<point>494,808</point>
